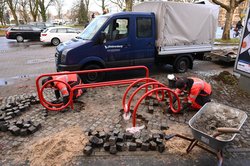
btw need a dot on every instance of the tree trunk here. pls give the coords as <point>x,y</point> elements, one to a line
<point>129,4</point>
<point>227,27</point>
<point>15,16</point>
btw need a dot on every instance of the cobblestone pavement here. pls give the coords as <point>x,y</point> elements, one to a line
<point>99,108</point>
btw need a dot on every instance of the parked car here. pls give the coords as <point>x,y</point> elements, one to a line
<point>22,32</point>
<point>41,25</point>
<point>56,35</point>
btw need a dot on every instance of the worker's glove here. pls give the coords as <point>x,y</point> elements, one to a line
<point>65,99</point>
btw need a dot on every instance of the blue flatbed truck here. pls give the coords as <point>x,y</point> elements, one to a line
<point>140,38</point>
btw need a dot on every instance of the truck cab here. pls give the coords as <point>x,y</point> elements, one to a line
<point>112,40</point>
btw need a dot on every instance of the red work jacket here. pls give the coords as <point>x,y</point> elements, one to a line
<point>198,86</point>
<point>71,79</point>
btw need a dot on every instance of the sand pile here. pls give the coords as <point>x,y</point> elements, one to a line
<point>57,149</point>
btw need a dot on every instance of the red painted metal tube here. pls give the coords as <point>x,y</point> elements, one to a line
<point>130,86</point>
<point>90,85</point>
<point>152,91</point>
<point>137,90</point>
<point>49,105</point>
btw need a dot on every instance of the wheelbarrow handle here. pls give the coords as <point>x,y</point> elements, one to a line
<point>225,130</point>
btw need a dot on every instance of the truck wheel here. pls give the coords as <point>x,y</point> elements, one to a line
<point>19,38</point>
<point>55,41</point>
<point>182,64</point>
<point>92,77</point>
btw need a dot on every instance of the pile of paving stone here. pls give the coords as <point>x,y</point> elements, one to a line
<point>20,127</point>
<point>117,141</point>
<point>13,107</point>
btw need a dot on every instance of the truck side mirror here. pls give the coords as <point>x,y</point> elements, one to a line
<point>102,38</point>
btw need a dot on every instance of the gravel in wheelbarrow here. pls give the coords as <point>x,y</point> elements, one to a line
<point>210,117</point>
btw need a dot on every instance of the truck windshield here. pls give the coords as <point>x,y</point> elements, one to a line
<point>89,32</point>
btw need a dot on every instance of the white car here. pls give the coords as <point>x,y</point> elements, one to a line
<point>56,35</point>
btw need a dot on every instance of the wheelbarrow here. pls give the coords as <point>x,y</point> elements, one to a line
<point>214,125</point>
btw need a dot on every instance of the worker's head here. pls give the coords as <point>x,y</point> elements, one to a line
<point>46,80</point>
<point>181,83</point>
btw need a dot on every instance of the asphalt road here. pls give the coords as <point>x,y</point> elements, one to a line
<point>28,59</point>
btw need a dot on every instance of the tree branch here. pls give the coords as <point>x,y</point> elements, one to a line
<point>239,2</point>
<point>221,4</point>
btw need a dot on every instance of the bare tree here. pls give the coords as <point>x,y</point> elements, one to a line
<point>13,7</point>
<point>229,7</point>
<point>83,13</point>
<point>33,7</point>
<point>104,4</point>
<point>129,4</point>
<point>119,3</point>
<point>23,4</point>
<point>59,7</point>
<point>43,7</point>
<point>2,9</point>
<point>87,5</point>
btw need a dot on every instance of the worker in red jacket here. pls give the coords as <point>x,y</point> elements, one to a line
<point>61,88</point>
<point>199,92</point>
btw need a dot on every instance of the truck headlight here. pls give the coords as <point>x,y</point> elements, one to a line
<point>64,55</point>
<point>63,58</point>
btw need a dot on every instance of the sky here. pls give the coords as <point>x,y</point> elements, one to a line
<point>93,6</point>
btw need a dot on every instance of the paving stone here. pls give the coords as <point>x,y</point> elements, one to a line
<point>131,146</point>
<point>102,134</point>
<point>112,140</point>
<point>32,129</point>
<point>159,141</point>
<point>145,147</point>
<point>161,148</point>
<point>138,142</point>
<point>23,132</point>
<point>116,132</point>
<point>150,109</point>
<point>120,137</point>
<point>100,143</point>
<point>120,146</point>
<point>8,118</point>
<point>106,146</point>
<point>153,145</point>
<point>88,150</point>
<point>14,130</point>
<point>164,126</point>
<point>128,135</point>
<point>113,149</point>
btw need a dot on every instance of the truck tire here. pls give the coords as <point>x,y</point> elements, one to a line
<point>55,41</point>
<point>92,77</point>
<point>182,65</point>
<point>19,38</point>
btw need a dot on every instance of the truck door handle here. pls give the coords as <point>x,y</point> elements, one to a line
<point>126,45</point>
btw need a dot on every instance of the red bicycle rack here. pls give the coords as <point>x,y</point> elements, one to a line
<point>58,107</point>
<point>157,87</point>
<point>156,90</point>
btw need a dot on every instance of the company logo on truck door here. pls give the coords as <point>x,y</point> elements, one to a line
<point>113,46</point>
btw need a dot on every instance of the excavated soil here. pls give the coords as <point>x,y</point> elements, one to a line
<point>216,116</point>
<point>56,149</point>
<point>226,78</point>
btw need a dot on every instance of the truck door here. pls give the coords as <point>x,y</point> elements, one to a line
<point>117,46</point>
<point>144,41</point>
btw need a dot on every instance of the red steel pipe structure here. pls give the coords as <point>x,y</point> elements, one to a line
<point>156,90</point>
<point>58,107</point>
